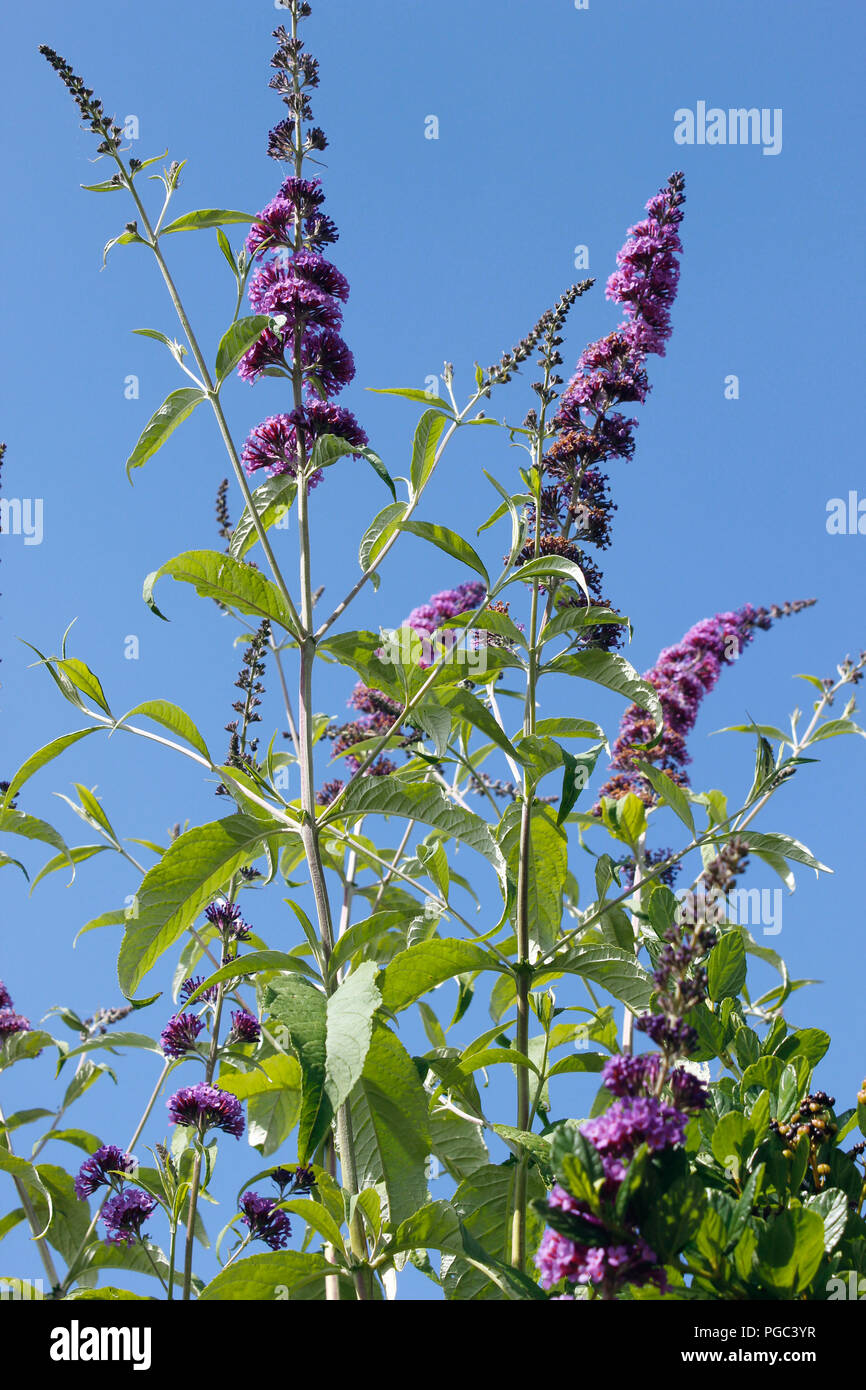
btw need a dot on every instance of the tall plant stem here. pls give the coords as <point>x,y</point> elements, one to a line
<point>196,1170</point>
<point>524,969</point>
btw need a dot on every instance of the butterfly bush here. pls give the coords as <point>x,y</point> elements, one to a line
<point>466,839</point>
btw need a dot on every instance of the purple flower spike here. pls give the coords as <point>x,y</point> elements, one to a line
<point>5,997</point>
<point>189,987</point>
<point>204,1107</point>
<point>273,1227</point>
<point>125,1214</point>
<point>10,1023</point>
<point>179,1035</point>
<point>102,1169</point>
<point>245,1028</point>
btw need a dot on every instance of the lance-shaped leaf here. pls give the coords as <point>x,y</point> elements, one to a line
<point>173,411</point>
<point>272,501</point>
<point>615,969</point>
<point>328,448</point>
<point>203,218</point>
<point>462,704</point>
<point>379,532</point>
<point>421,968</point>
<point>450,542</point>
<point>427,435</point>
<point>550,567</point>
<point>302,1010</point>
<point>389,1120</point>
<point>784,847</point>
<point>391,797</point>
<point>44,755</point>
<point>174,718</point>
<point>668,791</point>
<point>31,828</point>
<point>237,340</point>
<point>194,868</point>
<point>411,393</point>
<point>546,869</point>
<point>220,577</point>
<point>614,672</point>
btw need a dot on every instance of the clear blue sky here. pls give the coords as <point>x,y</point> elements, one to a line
<point>556,125</point>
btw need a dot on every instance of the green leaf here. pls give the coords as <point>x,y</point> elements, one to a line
<point>273,499</point>
<point>427,435</point>
<point>30,828</point>
<point>668,792</point>
<point>254,963</point>
<point>194,868</point>
<point>615,969</point>
<point>733,1142</point>
<point>457,1143</point>
<point>615,673</point>
<point>462,704</point>
<point>831,1204</point>
<point>389,1119</point>
<point>484,1203</point>
<point>350,1014</point>
<point>238,339</point>
<point>417,970</point>
<point>174,410</point>
<point>412,393</point>
<point>203,218</point>
<point>174,718</point>
<point>379,532</point>
<point>546,869</point>
<point>726,967</point>
<point>549,567</point>
<point>25,1173</point>
<point>218,576</point>
<point>280,1275</point>
<point>568,728</point>
<point>389,796</point>
<point>786,847</point>
<point>577,770</point>
<point>302,1010</point>
<point>328,448</point>
<point>110,1042</point>
<point>450,542</point>
<point>44,755</point>
<point>790,1250</point>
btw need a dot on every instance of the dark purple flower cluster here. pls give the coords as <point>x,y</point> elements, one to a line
<point>245,1028</point>
<point>105,1168</point>
<point>179,1035</point>
<point>611,372</point>
<point>377,710</point>
<point>298,287</point>
<point>300,1179</point>
<point>10,1022</point>
<point>189,987</point>
<point>125,1214</point>
<point>204,1107</point>
<point>265,1221</point>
